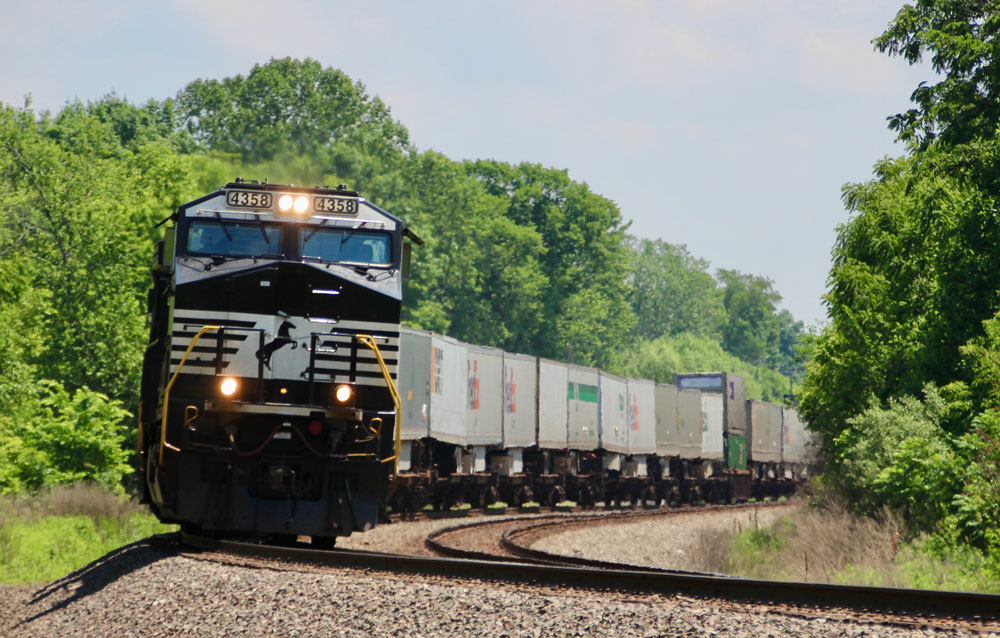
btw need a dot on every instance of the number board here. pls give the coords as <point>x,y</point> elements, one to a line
<point>341,205</point>
<point>249,199</point>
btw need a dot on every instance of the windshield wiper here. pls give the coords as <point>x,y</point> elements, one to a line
<point>313,232</point>
<point>217,260</point>
<point>348,234</point>
<point>222,223</point>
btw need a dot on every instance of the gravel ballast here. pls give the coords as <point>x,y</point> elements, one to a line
<point>145,591</point>
<point>156,589</point>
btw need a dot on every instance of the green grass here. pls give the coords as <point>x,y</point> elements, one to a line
<point>49,548</point>
<point>828,544</point>
<point>48,535</point>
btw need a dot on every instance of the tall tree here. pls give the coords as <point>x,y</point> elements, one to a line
<point>672,291</point>
<point>478,276</point>
<point>289,107</point>
<point>78,207</point>
<point>962,38</point>
<point>751,330</point>
<point>914,294</point>
<point>585,258</point>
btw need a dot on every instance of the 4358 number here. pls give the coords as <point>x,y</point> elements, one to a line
<point>335,205</point>
<point>248,199</point>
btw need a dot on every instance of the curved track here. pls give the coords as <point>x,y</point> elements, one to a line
<point>941,609</point>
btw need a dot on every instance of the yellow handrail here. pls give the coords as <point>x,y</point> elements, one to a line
<point>369,341</point>
<point>166,393</point>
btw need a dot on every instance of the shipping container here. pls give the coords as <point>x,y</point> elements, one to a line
<point>553,404</point>
<point>668,424</point>
<point>520,377</point>
<point>690,422</point>
<point>484,410</point>
<point>765,431</point>
<point>641,416</point>
<point>614,415</point>
<point>414,383</point>
<point>583,394</point>
<point>449,388</point>
<point>731,388</point>
<point>798,444</point>
<point>711,433</point>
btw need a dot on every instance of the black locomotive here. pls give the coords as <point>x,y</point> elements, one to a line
<point>268,403</point>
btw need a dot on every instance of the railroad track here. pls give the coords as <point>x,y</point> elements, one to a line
<point>513,560</point>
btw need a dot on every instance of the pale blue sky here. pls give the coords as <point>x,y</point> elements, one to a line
<point>726,125</point>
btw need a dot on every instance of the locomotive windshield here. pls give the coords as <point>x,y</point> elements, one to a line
<point>210,237</point>
<point>354,246</point>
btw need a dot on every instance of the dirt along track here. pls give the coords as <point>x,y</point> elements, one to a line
<point>552,538</point>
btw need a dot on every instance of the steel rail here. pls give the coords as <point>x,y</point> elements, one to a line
<point>924,603</point>
<point>435,543</point>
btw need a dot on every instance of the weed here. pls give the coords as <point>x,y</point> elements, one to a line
<point>46,536</point>
<point>824,542</point>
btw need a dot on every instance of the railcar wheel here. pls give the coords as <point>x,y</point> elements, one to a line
<point>488,496</point>
<point>523,495</point>
<point>556,495</point>
<point>649,497</point>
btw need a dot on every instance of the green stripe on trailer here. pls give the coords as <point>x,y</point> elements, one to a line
<point>582,392</point>
<point>587,393</point>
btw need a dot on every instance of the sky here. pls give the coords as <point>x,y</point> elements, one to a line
<point>729,126</point>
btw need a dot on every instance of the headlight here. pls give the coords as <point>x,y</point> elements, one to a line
<point>285,203</point>
<point>343,393</point>
<point>228,387</point>
<point>301,204</point>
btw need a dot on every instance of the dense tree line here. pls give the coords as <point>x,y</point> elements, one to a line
<point>517,256</point>
<point>904,383</point>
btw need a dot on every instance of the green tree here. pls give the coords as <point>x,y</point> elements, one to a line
<point>961,38</point>
<point>585,260</point>
<point>661,358</point>
<point>751,331</point>
<point>672,291</point>
<point>289,107</point>
<point>477,277</point>
<point>913,279</point>
<point>914,295</point>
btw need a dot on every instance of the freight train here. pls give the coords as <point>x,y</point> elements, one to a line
<point>480,425</point>
<point>280,397</point>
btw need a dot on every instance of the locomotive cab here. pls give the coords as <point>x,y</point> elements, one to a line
<point>268,400</point>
